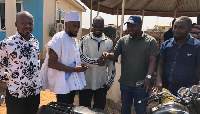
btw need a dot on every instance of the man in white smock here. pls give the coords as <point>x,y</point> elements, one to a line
<point>62,71</point>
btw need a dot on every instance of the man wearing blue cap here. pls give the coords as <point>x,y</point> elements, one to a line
<point>138,61</point>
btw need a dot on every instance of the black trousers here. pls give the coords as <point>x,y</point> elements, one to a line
<point>85,98</point>
<point>28,105</point>
<point>66,98</point>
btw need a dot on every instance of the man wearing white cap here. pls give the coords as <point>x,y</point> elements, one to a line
<point>62,71</point>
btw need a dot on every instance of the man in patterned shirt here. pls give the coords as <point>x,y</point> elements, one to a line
<point>19,55</point>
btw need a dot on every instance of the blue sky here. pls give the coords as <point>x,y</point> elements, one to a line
<point>148,23</point>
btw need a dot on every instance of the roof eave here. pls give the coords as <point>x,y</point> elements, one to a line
<point>78,5</point>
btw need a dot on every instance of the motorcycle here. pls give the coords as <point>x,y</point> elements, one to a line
<point>63,108</point>
<point>59,108</point>
<point>187,101</point>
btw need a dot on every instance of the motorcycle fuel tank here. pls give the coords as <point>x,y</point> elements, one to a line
<point>170,107</point>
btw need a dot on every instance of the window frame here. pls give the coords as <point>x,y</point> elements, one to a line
<point>22,9</point>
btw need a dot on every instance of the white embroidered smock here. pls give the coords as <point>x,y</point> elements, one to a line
<point>68,51</point>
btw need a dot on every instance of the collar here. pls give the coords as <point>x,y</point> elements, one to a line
<point>190,41</point>
<point>143,36</point>
<point>93,37</point>
<point>20,37</point>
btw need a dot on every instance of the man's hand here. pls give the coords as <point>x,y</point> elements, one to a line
<point>81,68</point>
<point>147,84</point>
<point>101,60</point>
<point>110,56</point>
<point>158,85</point>
<point>105,55</point>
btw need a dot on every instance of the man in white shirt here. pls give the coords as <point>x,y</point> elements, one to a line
<point>97,78</point>
<point>62,71</point>
<point>19,55</point>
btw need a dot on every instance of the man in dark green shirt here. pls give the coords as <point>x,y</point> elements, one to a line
<point>139,54</point>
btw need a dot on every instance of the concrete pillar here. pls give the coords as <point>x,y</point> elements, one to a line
<point>10,17</point>
<point>79,35</point>
<point>198,20</point>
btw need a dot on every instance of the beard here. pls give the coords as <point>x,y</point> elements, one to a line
<point>97,35</point>
<point>27,33</point>
<point>71,34</point>
<point>181,37</point>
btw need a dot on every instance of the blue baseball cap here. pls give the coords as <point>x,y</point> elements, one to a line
<point>134,19</point>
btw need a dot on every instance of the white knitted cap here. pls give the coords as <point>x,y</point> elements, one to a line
<point>72,16</point>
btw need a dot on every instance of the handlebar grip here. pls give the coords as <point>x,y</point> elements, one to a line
<point>145,99</point>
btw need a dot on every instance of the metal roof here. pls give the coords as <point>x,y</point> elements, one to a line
<point>164,8</point>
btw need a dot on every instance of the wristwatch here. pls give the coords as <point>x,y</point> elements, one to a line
<point>148,76</point>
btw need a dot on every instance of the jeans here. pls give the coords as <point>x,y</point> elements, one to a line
<point>128,94</point>
<point>99,95</point>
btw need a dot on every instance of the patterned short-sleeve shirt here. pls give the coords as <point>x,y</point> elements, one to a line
<point>21,59</point>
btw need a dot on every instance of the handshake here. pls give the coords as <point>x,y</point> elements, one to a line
<point>102,59</point>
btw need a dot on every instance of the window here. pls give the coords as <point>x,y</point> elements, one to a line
<point>2,13</point>
<point>60,16</point>
<point>2,16</point>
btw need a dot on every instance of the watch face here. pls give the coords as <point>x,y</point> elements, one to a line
<point>148,76</point>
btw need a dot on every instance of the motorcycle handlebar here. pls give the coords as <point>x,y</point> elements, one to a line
<point>145,99</point>
<point>169,94</point>
<point>163,92</point>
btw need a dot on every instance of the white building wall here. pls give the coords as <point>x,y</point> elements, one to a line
<point>114,92</point>
<point>10,16</point>
<point>49,16</point>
